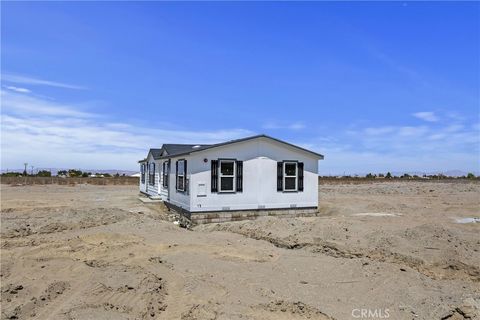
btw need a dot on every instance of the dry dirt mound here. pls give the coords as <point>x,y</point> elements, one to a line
<point>470,309</point>
<point>51,220</point>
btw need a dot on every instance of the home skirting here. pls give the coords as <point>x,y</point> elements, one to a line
<point>238,215</point>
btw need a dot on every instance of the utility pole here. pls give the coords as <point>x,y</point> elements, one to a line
<point>31,172</point>
<point>25,173</point>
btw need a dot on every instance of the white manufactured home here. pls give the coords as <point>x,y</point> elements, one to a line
<point>234,180</point>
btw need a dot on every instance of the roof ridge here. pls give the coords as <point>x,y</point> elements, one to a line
<point>209,146</point>
<point>188,144</point>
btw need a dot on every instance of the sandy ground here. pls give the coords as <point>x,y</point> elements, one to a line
<point>376,251</point>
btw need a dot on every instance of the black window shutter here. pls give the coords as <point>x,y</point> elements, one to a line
<point>239,176</point>
<point>279,176</point>
<point>153,176</point>
<point>185,186</point>
<point>176,174</point>
<point>214,175</point>
<point>300,176</point>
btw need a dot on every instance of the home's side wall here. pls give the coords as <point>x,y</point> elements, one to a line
<point>259,158</point>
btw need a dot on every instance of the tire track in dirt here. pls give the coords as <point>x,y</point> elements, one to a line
<point>138,296</point>
<point>43,303</point>
<point>280,309</point>
<point>453,270</point>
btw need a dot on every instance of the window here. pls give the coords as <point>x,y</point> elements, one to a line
<point>142,170</point>
<point>227,176</point>
<point>151,173</point>
<point>165,171</point>
<point>290,176</point>
<point>181,173</point>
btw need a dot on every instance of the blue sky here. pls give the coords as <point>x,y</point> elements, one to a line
<point>374,86</point>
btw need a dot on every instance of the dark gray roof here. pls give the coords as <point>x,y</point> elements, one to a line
<point>175,149</point>
<point>184,149</point>
<point>156,153</point>
<point>172,149</point>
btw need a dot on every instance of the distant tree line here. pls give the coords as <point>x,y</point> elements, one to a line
<point>79,173</point>
<point>62,173</point>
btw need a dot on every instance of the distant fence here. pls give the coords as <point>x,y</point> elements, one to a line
<point>69,181</point>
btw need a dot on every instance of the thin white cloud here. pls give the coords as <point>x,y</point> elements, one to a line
<point>52,134</point>
<point>428,148</point>
<point>48,134</point>
<point>378,131</point>
<point>410,131</point>
<point>379,162</point>
<point>14,78</point>
<point>297,125</point>
<point>396,65</point>
<point>426,116</point>
<point>27,105</point>
<point>17,89</point>
<point>454,128</point>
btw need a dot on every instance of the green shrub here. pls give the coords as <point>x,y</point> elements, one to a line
<point>44,173</point>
